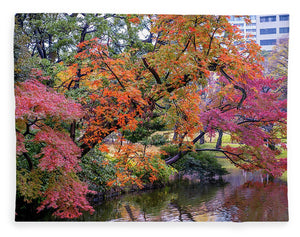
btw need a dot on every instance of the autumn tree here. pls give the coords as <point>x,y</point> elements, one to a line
<point>173,73</point>
<point>118,81</point>
<point>46,120</point>
<point>276,64</point>
<point>47,158</point>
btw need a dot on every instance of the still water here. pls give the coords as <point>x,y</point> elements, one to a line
<point>245,197</point>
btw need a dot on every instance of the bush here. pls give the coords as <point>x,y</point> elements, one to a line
<point>158,140</point>
<point>97,170</point>
<point>169,150</point>
<point>154,167</point>
<point>204,164</point>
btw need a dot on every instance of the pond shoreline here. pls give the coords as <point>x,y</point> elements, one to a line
<point>121,191</point>
<point>117,192</point>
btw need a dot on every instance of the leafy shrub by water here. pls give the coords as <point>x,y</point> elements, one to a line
<point>94,172</point>
<point>203,164</point>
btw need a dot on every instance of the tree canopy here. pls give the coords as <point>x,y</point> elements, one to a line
<point>82,77</point>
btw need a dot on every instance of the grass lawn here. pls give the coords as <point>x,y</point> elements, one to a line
<point>283,155</point>
<point>226,164</point>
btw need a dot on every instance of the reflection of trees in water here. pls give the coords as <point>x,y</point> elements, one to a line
<point>177,202</point>
<point>182,211</point>
<point>129,211</point>
<point>256,201</point>
<point>109,210</point>
<point>192,200</point>
<point>150,204</point>
<point>245,198</point>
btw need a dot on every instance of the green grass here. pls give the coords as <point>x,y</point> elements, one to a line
<point>226,138</point>
<point>284,176</point>
<point>226,164</point>
<point>283,155</point>
<point>225,142</point>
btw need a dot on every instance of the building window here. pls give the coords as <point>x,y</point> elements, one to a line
<point>268,31</point>
<point>268,42</point>
<point>234,18</point>
<point>252,24</point>
<point>267,18</point>
<point>284,30</point>
<point>284,17</point>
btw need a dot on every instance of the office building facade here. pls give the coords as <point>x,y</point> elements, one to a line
<point>267,30</point>
<point>271,30</point>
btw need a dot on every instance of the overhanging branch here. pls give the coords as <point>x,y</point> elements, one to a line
<point>175,158</point>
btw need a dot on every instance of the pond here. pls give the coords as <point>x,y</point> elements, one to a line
<point>243,197</point>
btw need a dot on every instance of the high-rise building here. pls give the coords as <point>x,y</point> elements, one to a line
<point>271,29</point>
<point>267,30</point>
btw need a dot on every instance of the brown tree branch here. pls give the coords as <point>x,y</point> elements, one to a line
<point>30,164</point>
<point>175,158</point>
<point>152,70</point>
<point>244,94</point>
<point>212,37</point>
<point>115,75</point>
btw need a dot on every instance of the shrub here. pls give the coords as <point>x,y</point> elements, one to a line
<point>204,164</point>
<point>97,170</point>
<point>153,171</point>
<point>169,150</point>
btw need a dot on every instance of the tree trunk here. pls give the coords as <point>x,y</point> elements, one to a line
<point>72,130</point>
<point>202,141</point>
<point>30,164</point>
<point>219,141</point>
<point>175,133</point>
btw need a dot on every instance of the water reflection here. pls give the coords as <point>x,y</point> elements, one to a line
<point>246,197</point>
